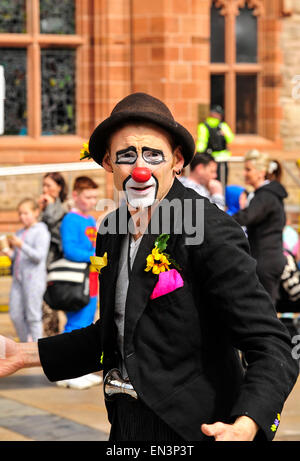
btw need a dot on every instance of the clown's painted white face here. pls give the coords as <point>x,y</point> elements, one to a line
<point>143,163</point>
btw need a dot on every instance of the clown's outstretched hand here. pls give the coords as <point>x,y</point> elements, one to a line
<point>14,356</point>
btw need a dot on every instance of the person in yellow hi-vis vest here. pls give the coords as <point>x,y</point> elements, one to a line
<point>213,137</point>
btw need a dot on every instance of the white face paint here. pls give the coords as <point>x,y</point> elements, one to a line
<point>140,195</point>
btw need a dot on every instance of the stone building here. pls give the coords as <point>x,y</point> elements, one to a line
<point>67,63</point>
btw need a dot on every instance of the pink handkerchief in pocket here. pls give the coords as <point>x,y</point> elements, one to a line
<point>167,281</point>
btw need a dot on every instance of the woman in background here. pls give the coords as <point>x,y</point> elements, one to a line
<point>53,209</point>
<point>28,252</point>
<point>264,218</point>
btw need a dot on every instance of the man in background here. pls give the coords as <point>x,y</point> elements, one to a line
<point>213,137</point>
<point>202,178</point>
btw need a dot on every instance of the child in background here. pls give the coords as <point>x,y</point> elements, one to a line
<point>78,233</point>
<point>233,196</point>
<point>28,251</point>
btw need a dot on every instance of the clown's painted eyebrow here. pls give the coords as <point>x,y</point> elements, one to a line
<point>127,155</point>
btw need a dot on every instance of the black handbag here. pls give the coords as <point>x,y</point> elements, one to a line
<point>68,285</point>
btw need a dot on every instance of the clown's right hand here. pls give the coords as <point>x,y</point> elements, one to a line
<point>14,356</point>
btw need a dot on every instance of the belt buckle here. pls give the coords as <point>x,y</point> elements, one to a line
<point>115,385</point>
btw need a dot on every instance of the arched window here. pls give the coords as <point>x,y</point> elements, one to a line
<point>38,47</point>
<point>235,61</point>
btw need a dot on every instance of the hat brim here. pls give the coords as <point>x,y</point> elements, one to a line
<point>180,135</point>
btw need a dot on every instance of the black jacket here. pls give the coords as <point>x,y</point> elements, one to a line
<point>264,219</point>
<point>181,348</point>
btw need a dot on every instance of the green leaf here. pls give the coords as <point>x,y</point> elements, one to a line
<point>172,261</point>
<point>161,242</point>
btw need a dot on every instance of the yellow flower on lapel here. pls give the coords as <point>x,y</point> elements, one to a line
<point>98,262</point>
<point>85,152</point>
<point>157,260</point>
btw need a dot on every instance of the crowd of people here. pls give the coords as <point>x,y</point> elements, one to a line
<point>53,227</point>
<point>258,206</point>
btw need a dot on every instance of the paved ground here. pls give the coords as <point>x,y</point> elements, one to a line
<point>33,409</point>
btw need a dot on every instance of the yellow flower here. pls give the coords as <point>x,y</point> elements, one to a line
<point>157,261</point>
<point>85,153</point>
<point>98,262</point>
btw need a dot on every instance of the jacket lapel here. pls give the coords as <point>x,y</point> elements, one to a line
<point>110,242</point>
<point>141,283</point>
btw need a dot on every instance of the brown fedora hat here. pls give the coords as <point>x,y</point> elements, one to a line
<point>140,107</point>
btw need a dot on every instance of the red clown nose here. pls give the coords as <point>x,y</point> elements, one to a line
<point>141,174</point>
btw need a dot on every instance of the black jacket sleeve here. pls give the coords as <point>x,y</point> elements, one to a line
<point>70,355</point>
<point>245,310</point>
<point>256,212</point>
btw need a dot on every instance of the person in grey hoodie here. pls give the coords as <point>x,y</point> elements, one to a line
<point>53,208</point>
<point>28,250</point>
<point>264,218</point>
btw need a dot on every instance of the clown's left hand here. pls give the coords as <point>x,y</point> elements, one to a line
<point>244,429</point>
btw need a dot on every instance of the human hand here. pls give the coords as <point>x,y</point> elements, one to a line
<point>243,200</point>
<point>15,241</point>
<point>14,356</point>
<point>44,201</point>
<point>215,187</point>
<point>243,429</point>
<point>10,360</point>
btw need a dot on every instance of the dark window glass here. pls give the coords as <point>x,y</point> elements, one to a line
<point>15,107</point>
<point>246,104</point>
<point>217,90</point>
<point>12,16</point>
<point>246,36</point>
<point>57,17</point>
<point>217,35</point>
<point>58,91</point>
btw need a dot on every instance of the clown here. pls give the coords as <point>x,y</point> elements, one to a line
<point>173,314</point>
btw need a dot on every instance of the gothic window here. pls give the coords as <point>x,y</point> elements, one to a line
<point>38,50</point>
<point>15,106</point>
<point>58,91</point>
<point>246,35</point>
<point>235,61</point>
<point>57,17</point>
<point>12,16</point>
<point>217,35</point>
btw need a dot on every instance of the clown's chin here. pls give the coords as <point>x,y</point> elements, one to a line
<point>140,199</point>
<point>140,195</point>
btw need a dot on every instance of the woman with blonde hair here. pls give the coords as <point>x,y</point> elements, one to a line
<point>264,218</point>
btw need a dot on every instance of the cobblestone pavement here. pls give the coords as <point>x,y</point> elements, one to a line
<point>33,409</point>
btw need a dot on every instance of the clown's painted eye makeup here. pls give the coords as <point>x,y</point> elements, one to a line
<point>126,156</point>
<point>129,156</point>
<point>153,156</point>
